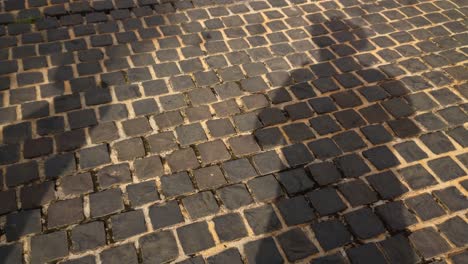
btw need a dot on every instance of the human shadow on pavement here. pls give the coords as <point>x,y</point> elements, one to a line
<point>341,125</point>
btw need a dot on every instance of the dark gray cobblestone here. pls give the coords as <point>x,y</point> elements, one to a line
<point>222,131</point>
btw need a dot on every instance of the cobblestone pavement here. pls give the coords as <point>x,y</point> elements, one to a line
<point>225,131</point>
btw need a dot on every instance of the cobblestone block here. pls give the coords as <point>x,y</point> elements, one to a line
<point>265,188</point>
<point>49,247</point>
<point>374,114</point>
<point>88,236</point>
<point>366,252</point>
<point>145,107</point>
<point>9,153</point>
<point>209,177</point>
<point>397,248</point>
<point>22,223</point>
<point>94,156</point>
<point>410,151</point>
<point>387,185</point>
<point>333,258</point>
<point>125,253</point>
<point>65,212</point>
<point>437,142</point>
<point>200,204</point>
<point>248,122</point>
<point>16,133</point>
<point>324,172</point>
<point>195,237</point>
<point>105,202</point>
<point>381,157</point>
<point>76,184</point>
<point>220,127</point>
<point>130,149</point>
<point>364,223</point>
<point>347,99</point>
<point>395,215</point>
<point>326,201</point>
<point>162,142</point>
<point>182,159</point>
<point>113,174</point>
<point>8,67</point>
<point>268,162</point>
<point>296,245</point>
<point>298,132</point>
<point>226,108</point>
<point>243,145</point>
<point>324,125</point>
<point>229,227</point>
<point>331,234</point>
<point>452,198</point>
<point>7,114</point>
<point>428,242</point>
<point>272,116</point>
<point>445,168</point>
<point>398,107</point>
<point>9,201</point>
<point>82,260</point>
<point>35,109</point>
<point>70,140</point>
<point>22,95</point>
<point>295,210</point>
<point>159,247</point>
<point>103,132</point>
<point>142,193</point>
<point>37,147</point>
<point>136,126</point>
<point>455,230</point>
<point>10,254</point>
<point>295,181</point>
<point>126,92</point>
<point>228,256</point>
<point>357,192</point>
<point>113,112</point>
<point>262,251</point>
<point>165,214</point>
<point>21,173</point>
<point>459,135</point>
<point>425,206</point>
<point>169,119</point>
<point>262,219</point>
<point>234,196</point>
<point>351,165</point>
<point>51,125</point>
<point>417,176</point>
<point>96,97</point>
<point>297,154</point>
<point>213,151</point>
<point>453,115</point>
<point>349,141</point>
<point>404,127</point>
<point>127,224</point>
<point>149,167</point>
<point>198,113</point>
<point>176,184</point>
<point>349,119</point>
<point>237,170</point>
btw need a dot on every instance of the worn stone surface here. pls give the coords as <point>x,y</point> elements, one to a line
<point>223,131</point>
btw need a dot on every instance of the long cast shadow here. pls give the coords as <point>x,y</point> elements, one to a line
<point>329,120</point>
